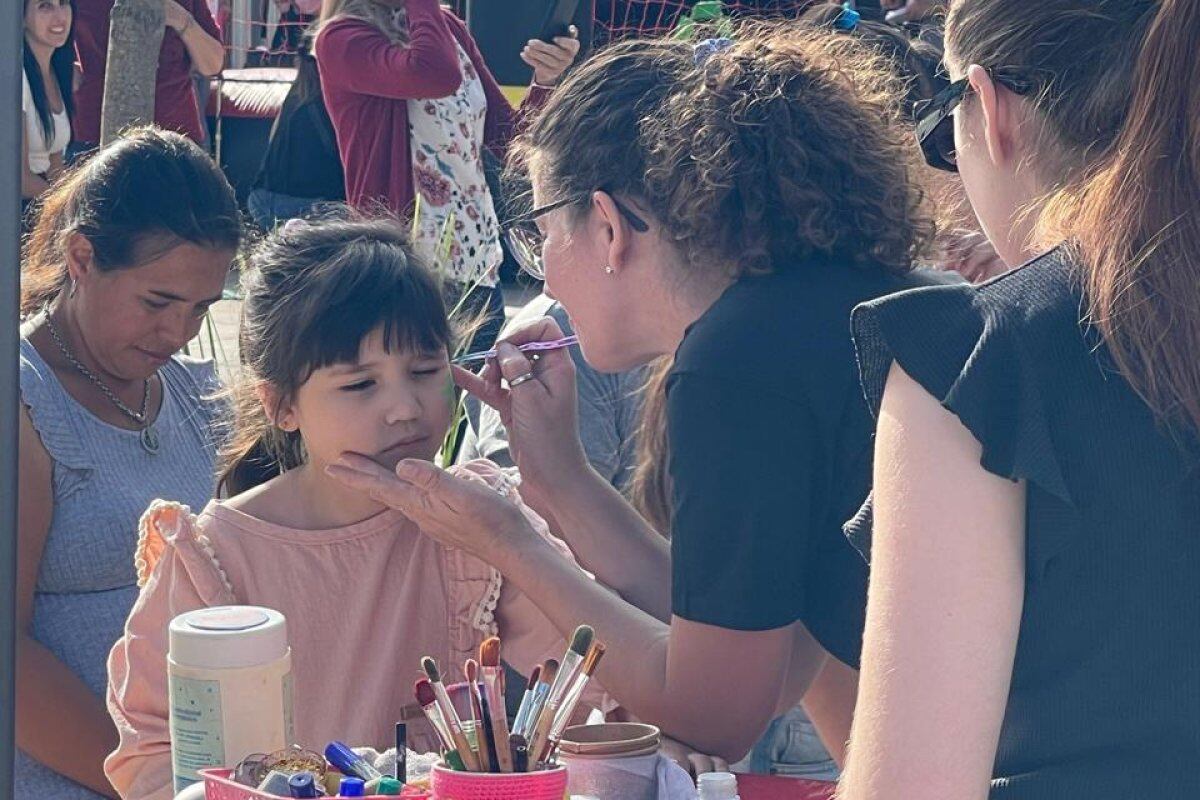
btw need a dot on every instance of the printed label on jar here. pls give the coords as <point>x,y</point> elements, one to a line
<point>196,728</point>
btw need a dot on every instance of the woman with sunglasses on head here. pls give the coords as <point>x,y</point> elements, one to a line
<point>1033,623</point>
<point>727,204</point>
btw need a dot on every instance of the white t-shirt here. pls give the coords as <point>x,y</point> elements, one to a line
<point>39,148</point>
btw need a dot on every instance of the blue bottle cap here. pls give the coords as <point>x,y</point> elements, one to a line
<point>352,787</point>
<point>302,784</point>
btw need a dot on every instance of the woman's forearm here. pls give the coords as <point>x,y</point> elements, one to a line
<point>612,541</point>
<point>33,185</point>
<point>59,721</point>
<point>680,676</point>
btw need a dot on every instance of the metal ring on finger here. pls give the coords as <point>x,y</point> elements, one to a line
<point>517,381</point>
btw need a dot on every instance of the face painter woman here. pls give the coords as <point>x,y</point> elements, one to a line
<point>728,204</point>
<point>127,254</point>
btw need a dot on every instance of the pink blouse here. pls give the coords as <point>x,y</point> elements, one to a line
<point>363,603</point>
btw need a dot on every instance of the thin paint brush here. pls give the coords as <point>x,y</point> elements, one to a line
<point>452,721</point>
<point>526,699</point>
<point>540,693</point>
<point>471,670</point>
<point>581,642</point>
<point>493,695</point>
<point>571,700</point>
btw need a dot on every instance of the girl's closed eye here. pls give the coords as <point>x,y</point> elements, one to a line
<point>426,370</point>
<point>359,386</point>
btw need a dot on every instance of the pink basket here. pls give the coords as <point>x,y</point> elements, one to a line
<point>218,785</point>
<point>550,784</point>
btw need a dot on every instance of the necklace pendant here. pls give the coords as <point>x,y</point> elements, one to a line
<point>150,442</point>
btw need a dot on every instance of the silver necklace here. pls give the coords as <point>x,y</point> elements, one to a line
<point>148,435</point>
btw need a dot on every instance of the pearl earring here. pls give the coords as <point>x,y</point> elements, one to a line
<point>609,270</point>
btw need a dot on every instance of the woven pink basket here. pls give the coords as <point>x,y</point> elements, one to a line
<point>550,784</point>
<point>218,785</point>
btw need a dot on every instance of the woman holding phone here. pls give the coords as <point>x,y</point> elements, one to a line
<point>414,107</point>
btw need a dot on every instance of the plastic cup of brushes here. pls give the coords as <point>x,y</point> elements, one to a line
<point>547,784</point>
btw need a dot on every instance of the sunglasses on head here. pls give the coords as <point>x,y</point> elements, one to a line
<point>935,118</point>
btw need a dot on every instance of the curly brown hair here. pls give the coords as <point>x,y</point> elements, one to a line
<point>788,145</point>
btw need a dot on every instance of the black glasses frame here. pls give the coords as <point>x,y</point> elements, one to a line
<point>635,222</point>
<point>935,123</point>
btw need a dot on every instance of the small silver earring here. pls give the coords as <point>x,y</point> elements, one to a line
<point>609,270</point>
<point>74,286</point>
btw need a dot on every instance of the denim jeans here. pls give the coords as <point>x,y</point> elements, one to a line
<point>790,748</point>
<point>271,209</point>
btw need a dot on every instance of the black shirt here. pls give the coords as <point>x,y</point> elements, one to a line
<point>770,452</point>
<point>302,157</point>
<point>1105,697</point>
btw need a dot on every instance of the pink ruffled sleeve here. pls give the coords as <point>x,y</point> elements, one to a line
<point>177,572</point>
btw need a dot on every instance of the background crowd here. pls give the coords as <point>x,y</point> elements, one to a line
<point>879,448</point>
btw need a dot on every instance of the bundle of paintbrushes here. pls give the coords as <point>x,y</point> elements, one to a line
<point>486,742</point>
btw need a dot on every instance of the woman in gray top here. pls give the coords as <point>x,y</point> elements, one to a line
<point>126,257</point>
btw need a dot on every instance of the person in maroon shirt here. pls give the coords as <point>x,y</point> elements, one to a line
<point>405,76</point>
<point>190,43</point>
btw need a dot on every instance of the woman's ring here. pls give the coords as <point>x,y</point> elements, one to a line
<point>517,381</point>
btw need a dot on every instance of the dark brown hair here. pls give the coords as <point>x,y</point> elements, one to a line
<point>835,80</point>
<point>649,490</point>
<point>314,289</point>
<point>1120,146</point>
<point>140,196</point>
<point>784,147</point>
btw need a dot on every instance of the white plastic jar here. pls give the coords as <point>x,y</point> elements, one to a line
<point>230,687</point>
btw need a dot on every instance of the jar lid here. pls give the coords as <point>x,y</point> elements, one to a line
<point>610,740</point>
<point>228,637</point>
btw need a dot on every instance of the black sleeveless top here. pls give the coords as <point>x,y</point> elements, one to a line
<point>1105,698</point>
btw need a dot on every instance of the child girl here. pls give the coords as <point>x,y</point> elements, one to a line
<point>346,343</point>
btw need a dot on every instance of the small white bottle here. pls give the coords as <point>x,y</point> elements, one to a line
<point>717,786</point>
<point>230,688</point>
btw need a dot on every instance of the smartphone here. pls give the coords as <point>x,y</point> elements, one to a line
<point>559,16</point>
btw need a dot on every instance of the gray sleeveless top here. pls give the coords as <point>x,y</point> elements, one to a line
<point>102,481</point>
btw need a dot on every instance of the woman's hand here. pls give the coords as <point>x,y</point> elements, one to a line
<point>550,61</point>
<point>177,16</point>
<point>695,763</point>
<point>540,412</point>
<point>970,254</point>
<point>461,513</point>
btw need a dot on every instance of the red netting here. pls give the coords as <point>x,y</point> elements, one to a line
<point>620,19</point>
<point>260,33</point>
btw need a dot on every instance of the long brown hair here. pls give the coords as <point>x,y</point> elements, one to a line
<point>649,489</point>
<point>140,196</point>
<point>1121,148</point>
<point>313,291</point>
<point>391,21</point>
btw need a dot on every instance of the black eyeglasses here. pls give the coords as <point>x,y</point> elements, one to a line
<point>935,121</point>
<point>525,239</point>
